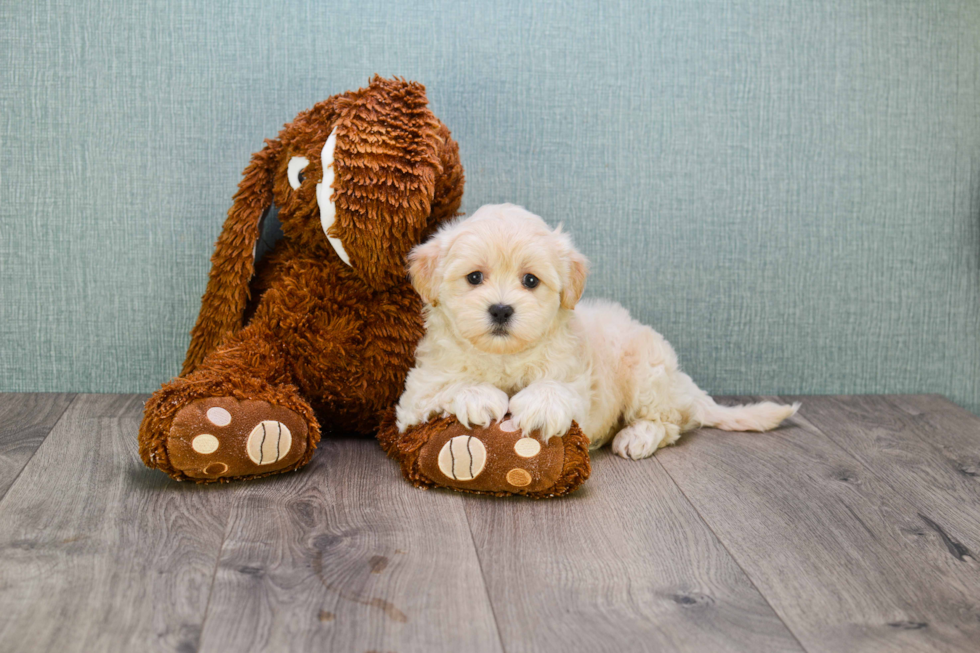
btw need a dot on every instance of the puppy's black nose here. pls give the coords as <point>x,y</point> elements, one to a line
<point>500,313</point>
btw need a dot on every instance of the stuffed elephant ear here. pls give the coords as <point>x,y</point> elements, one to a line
<point>233,263</point>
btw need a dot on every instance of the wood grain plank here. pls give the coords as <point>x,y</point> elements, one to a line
<point>928,453</point>
<point>348,556</point>
<point>843,558</point>
<point>954,430</point>
<point>100,553</point>
<point>25,420</point>
<point>623,564</point>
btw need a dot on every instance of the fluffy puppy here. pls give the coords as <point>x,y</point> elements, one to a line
<point>505,332</point>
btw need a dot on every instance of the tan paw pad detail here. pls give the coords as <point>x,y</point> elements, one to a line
<point>216,469</point>
<point>462,458</point>
<point>219,416</point>
<point>527,447</point>
<point>268,442</point>
<point>205,443</point>
<point>519,477</point>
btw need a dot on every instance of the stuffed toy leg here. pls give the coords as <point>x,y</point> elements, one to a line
<point>494,460</point>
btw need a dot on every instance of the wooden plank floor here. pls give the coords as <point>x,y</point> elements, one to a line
<point>855,527</point>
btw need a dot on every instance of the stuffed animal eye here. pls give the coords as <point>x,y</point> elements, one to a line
<point>294,171</point>
<point>530,281</point>
<point>475,278</point>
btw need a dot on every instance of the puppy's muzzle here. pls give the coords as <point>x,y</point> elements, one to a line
<point>501,313</point>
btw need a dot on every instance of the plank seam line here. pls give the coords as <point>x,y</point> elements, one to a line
<point>889,399</point>
<point>61,416</point>
<point>483,576</point>
<point>214,574</point>
<point>731,555</point>
<point>900,491</point>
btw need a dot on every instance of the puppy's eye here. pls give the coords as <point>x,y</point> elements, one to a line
<point>475,278</point>
<point>530,281</point>
<point>294,171</point>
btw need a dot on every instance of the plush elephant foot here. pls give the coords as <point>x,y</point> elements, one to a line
<point>497,459</point>
<point>222,438</point>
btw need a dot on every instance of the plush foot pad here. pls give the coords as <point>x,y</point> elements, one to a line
<point>223,438</point>
<point>497,459</point>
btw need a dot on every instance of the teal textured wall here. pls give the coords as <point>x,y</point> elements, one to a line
<point>789,191</point>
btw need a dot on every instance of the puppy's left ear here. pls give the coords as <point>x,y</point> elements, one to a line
<point>423,264</point>
<point>576,271</point>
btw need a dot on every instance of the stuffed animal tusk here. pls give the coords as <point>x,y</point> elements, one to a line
<point>328,210</point>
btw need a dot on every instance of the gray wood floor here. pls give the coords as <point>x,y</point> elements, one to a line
<point>853,528</point>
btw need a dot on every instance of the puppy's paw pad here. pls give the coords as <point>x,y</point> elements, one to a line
<point>639,440</point>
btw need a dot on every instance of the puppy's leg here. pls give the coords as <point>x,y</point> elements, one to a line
<point>642,438</point>
<point>547,407</point>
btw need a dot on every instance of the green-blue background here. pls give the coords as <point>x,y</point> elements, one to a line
<point>789,191</point>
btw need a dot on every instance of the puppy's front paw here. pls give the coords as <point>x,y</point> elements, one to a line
<point>479,405</point>
<point>534,409</point>
<point>406,418</point>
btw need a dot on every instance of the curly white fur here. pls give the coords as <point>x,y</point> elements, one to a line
<point>555,360</point>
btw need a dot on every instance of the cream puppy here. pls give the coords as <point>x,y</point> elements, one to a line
<point>505,332</point>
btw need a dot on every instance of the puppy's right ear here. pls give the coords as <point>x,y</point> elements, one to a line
<point>576,272</point>
<point>233,262</point>
<point>423,268</point>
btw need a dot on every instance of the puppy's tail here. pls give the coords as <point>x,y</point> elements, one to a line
<point>763,416</point>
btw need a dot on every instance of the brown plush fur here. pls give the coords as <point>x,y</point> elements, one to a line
<point>325,336</point>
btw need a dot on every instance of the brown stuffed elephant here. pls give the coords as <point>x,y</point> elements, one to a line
<point>326,325</point>
<point>359,179</point>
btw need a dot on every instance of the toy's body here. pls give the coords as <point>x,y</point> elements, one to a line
<point>350,345</point>
<point>344,345</point>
